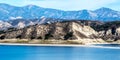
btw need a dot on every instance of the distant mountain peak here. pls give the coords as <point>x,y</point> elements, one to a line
<point>104,9</point>
<point>6,5</point>
<point>3,4</point>
<point>31,6</point>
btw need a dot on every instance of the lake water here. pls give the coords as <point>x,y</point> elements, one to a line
<point>108,45</point>
<point>57,53</point>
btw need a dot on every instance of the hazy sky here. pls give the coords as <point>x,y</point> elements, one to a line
<point>67,4</point>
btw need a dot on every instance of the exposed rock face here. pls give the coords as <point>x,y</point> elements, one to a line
<point>60,31</point>
<point>111,34</point>
<point>109,30</point>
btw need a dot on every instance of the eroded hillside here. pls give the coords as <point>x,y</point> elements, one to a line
<point>67,30</point>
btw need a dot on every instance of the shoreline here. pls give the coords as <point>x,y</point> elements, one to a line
<point>57,45</point>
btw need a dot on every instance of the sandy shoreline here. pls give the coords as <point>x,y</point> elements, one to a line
<point>69,43</point>
<point>59,45</point>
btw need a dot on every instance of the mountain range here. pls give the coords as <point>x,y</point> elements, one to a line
<point>8,12</point>
<point>31,14</point>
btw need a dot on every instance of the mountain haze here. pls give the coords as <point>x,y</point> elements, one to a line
<point>8,12</point>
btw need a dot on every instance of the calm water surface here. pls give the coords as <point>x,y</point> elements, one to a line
<point>57,53</point>
<point>108,45</point>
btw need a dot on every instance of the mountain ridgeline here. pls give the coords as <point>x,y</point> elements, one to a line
<point>67,30</point>
<point>9,12</point>
<point>13,16</point>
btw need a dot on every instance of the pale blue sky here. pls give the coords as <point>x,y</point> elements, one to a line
<point>67,4</point>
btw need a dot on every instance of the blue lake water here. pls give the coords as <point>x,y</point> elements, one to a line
<point>57,53</point>
<point>108,45</point>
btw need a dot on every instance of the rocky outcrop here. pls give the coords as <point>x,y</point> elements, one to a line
<point>108,30</point>
<point>111,34</point>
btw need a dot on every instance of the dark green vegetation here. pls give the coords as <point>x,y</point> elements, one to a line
<point>113,25</point>
<point>106,25</point>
